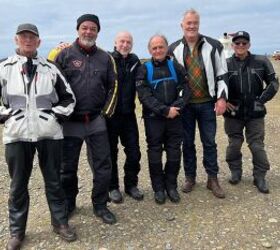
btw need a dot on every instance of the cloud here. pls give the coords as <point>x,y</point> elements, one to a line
<point>56,20</point>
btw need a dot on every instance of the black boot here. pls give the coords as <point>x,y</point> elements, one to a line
<point>116,196</point>
<point>65,232</point>
<point>260,183</point>
<point>235,177</point>
<point>105,214</point>
<point>160,197</point>
<point>173,195</point>
<point>134,193</point>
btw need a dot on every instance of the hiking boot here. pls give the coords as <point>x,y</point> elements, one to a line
<point>14,243</point>
<point>214,186</point>
<point>189,184</point>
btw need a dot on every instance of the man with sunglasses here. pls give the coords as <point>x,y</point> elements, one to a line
<point>246,108</point>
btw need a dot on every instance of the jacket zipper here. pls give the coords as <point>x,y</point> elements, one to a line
<point>241,82</point>
<point>249,80</point>
<point>22,75</point>
<point>35,82</point>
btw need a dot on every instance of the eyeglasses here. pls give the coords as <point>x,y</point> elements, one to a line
<point>241,43</point>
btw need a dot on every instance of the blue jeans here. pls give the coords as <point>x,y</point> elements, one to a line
<point>205,116</point>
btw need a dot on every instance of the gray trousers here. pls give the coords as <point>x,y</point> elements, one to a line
<point>254,133</point>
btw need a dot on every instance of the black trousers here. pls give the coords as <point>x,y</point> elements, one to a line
<point>98,153</point>
<point>254,133</point>
<point>164,135</point>
<point>124,127</point>
<point>19,157</point>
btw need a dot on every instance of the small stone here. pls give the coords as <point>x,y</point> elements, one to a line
<point>168,246</point>
<point>266,244</point>
<point>273,220</point>
<point>170,217</point>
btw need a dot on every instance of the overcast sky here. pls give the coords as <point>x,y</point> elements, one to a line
<point>56,20</point>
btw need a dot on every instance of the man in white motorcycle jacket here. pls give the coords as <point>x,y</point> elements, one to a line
<point>35,99</point>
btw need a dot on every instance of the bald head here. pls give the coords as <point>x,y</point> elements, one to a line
<point>124,43</point>
<point>158,47</point>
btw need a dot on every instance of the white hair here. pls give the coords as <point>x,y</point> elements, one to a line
<point>158,35</point>
<point>190,11</point>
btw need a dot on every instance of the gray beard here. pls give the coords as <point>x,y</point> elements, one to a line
<point>87,43</point>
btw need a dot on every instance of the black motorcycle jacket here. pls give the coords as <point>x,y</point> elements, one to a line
<point>246,86</point>
<point>157,100</point>
<point>126,68</point>
<point>92,76</point>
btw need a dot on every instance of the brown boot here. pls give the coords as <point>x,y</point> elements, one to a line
<point>189,184</point>
<point>214,185</point>
<point>14,243</point>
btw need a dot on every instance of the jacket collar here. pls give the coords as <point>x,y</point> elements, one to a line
<point>117,55</point>
<point>160,63</point>
<point>23,59</point>
<point>245,59</point>
<point>199,41</point>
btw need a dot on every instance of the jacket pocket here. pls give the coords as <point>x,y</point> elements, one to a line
<point>16,126</point>
<point>48,126</point>
<point>258,110</point>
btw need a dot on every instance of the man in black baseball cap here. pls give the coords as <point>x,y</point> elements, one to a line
<point>252,83</point>
<point>28,27</point>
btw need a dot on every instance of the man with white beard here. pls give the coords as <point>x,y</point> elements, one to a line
<point>91,73</point>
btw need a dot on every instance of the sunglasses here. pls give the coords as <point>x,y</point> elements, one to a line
<point>241,43</point>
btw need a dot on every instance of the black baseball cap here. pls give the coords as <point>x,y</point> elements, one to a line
<point>241,34</point>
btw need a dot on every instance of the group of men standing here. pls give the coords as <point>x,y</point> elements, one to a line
<point>90,96</point>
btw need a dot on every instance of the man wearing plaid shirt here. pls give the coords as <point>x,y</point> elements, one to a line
<point>205,62</point>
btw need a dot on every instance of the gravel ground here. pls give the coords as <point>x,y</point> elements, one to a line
<point>246,219</point>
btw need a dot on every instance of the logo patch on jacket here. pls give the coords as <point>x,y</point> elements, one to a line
<point>77,63</point>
